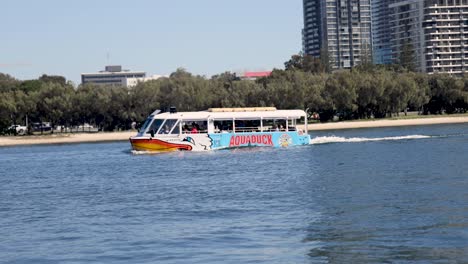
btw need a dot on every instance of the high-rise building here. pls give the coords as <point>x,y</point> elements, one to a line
<point>381,33</point>
<point>341,28</point>
<point>406,31</point>
<point>436,31</point>
<point>312,32</point>
<point>445,29</point>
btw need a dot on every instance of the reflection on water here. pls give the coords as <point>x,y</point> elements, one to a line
<point>371,201</point>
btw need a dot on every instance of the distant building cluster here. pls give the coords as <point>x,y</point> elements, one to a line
<point>354,31</point>
<point>115,75</point>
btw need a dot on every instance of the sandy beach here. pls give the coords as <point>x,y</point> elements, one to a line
<point>66,138</point>
<point>123,136</point>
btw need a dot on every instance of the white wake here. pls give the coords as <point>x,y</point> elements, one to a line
<point>334,139</point>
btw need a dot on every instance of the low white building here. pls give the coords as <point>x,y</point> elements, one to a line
<point>132,82</point>
<point>115,75</point>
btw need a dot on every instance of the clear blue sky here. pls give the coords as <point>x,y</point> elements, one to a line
<point>157,36</point>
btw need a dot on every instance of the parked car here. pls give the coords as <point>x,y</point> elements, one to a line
<point>85,126</point>
<point>62,129</point>
<point>43,127</point>
<point>18,129</point>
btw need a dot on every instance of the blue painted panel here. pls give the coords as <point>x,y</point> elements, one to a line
<point>273,139</point>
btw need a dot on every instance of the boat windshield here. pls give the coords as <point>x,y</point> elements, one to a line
<point>146,124</point>
<point>155,126</point>
<point>171,126</point>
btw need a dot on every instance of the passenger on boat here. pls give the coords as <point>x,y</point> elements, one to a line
<point>166,129</point>
<point>194,129</point>
<point>186,129</point>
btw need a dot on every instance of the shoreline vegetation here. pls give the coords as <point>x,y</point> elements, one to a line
<point>364,92</point>
<point>77,138</point>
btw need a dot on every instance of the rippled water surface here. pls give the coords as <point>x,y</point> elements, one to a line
<point>395,195</point>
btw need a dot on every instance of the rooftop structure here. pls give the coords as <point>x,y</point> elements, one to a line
<point>112,75</point>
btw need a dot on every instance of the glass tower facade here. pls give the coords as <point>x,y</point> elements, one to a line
<point>340,28</point>
<point>381,33</point>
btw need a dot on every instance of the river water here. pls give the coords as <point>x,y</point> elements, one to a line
<point>392,195</point>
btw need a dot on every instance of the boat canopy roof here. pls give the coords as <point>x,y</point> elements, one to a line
<point>250,113</point>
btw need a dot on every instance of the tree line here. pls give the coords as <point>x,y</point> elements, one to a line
<point>364,92</point>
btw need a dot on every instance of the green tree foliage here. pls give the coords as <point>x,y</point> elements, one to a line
<point>53,79</point>
<point>92,104</point>
<point>7,109</point>
<point>449,95</point>
<point>326,60</point>
<point>8,83</point>
<point>370,91</point>
<point>340,95</point>
<point>53,103</point>
<point>363,92</point>
<point>308,63</point>
<point>30,86</point>
<point>145,98</point>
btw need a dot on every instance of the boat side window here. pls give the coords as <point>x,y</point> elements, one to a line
<point>203,127</point>
<point>269,125</point>
<point>195,127</point>
<point>248,126</point>
<point>155,126</point>
<point>291,125</point>
<point>168,126</point>
<point>274,125</point>
<point>282,124</point>
<point>176,129</point>
<point>223,126</point>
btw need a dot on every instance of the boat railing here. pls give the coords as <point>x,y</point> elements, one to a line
<point>255,129</point>
<point>243,130</point>
<point>247,129</point>
<point>198,132</point>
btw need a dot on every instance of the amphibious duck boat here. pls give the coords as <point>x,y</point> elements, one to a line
<point>221,128</point>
